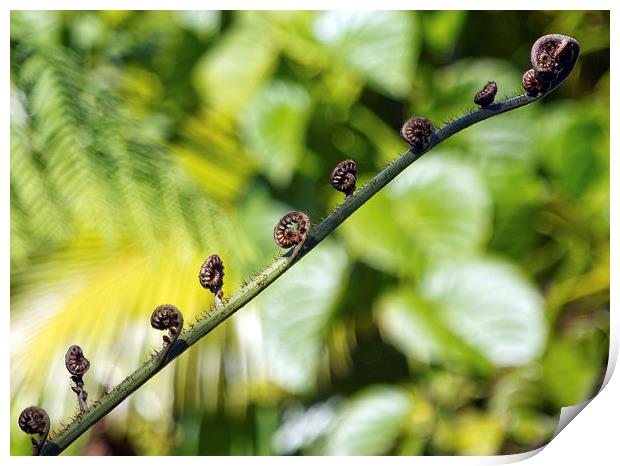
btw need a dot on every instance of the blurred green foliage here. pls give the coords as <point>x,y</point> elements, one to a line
<point>455,313</point>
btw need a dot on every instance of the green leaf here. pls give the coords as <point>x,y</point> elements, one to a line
<point>294,314</point>
<point>274,126</point>
<point>300,428</point>
<point>382,46</point>
<point>435,209</point>
<point>491,306</point>
<point>202,22</point>
<point>575,147</point>
<point>231,72</point>
<point>370,422</point>
<point>415,328</point>
<point>441,30</point>
<point>571,369</point>
<point>470,433</point>
<point>462,309</point>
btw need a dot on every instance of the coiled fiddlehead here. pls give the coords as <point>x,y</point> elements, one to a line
<point>211,277</point>
<point>77,365</point>
<point>35,421</point>
<point>553,57</point>
<point>167,317</point>
<point>531,84</point>
<point>291,230</point>
<point>417,131</point>
<point>486,96</point>
<point>77,427</point>
<point>344,177</point>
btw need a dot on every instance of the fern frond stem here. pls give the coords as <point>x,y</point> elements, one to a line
<point>109,401</point>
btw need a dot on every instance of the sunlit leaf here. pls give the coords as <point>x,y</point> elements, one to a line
<point>301,427</point>
<point>210,151</point>
<point>370,422</point>
<point>275,128</point>
<point>230,73</point>
<point>487,306</point>
<point>202,22</point>
<point>436,209</point>
<point>416,329</point>
<point>295,312</point>
<point>380,45</point>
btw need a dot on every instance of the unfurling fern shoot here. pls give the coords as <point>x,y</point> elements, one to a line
<point>553,57</point>
<point>531,84</point>
<point>344,177</point>
<point>167,317</point>
<point>486,96</point>
<point>211,277</point>
<point>77,365</point>
<point>35,421</point>
<point>292,229</point>
<point>417,131</point>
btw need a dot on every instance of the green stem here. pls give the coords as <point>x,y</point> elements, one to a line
<point>109,401</point>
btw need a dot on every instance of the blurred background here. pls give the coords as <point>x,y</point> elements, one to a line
<point>455,313</point>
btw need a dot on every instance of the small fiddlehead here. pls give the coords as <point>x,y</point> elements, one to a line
<point>211,277</point>
<point>35,421</point>
<point>77,365</point>
<point>486,96</point>
<point>344,177</point>
<point>531,84</point>
<point>291,230</point>
<point>417,131</point>
<point>167,317</point>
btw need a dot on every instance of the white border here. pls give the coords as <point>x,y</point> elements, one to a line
<point>590,437</point>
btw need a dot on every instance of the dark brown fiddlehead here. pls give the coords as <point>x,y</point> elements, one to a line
<point>486,96</point>
<point>553,57</point>
<point>35,421</point>
<point>77,365</point>
<point>417,131</point>
<point>211,277</point>
<point>167,317</point>
<point>291,230</point>
<point>344,177</point>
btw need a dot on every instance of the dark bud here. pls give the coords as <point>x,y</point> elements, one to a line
<point>487,95</point>
<point>417,131</point>
<point>165,317</point>
<point>75,361</point>
<point>553,56</point>
<point>34,420</point>
<point>291,230</point>
<point>211,274</point>
<point>344,177</point>
<point>531,83</point>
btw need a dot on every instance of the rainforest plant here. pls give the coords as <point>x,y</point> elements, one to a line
<point>552,59</point>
